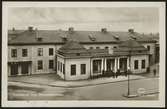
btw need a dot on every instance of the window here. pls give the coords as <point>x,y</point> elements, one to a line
<point>97,47</point>
<point>106,47</point>
<point>136,64</point>
<point>50,64</point>
<point>40,65</point>
<point>40,51</point>
<point>24,52</point>
<point>60,66</point>
<point>148,47</point>
<point>63,68</point>
<point>14,52</point>
<point>83,68</point>
<point>143,64</point>
<point>73,69</point>
<point>90,47</point>
<point>50,51</point>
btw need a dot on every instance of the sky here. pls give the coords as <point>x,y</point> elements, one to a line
<point>145,20</point>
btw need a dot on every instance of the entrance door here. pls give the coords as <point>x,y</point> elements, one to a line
<point>123,64</point>
<point>110,64</point>
<point>97,66</point>
<point>24,68</point>
<point>14,69</point>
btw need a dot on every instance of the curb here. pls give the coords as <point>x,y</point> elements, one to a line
<point>75,86</point>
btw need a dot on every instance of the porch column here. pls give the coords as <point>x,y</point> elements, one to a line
<point>118,63</point>
<point>102,65</point>
<point>29,67</point>
<point>115,66</point>
<point>127,62</point>
<point>9,70</point>
<point>105,64</point>
<point>19,70</point>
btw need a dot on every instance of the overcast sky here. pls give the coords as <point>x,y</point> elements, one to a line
<point>114,19</point>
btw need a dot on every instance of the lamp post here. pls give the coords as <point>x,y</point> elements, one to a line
<point>128,95</point>
<point>129,73</point>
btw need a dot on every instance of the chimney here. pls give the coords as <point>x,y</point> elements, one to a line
<point>71,29</point>
<point>131,31</point>
<point>13,29</point>
<point>37,35</point>
<point>104,30</point>
<point>30,28</point>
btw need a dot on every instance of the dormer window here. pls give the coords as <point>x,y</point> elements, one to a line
<point>133,37</point>
<point>91,37</point>
<point>104,30</point>
<point>116,37</point>
<point>64,38</point>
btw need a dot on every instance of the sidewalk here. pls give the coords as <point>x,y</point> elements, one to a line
<point>92,82</point>
<point>81,83</point>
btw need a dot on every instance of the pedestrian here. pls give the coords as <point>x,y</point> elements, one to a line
<point>126,73</point>
<point>154,71</point>
<point>117,74</point>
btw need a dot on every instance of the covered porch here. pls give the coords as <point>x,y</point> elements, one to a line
<point>109,65</point>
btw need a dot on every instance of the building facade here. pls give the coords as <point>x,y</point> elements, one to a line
<point>35,51</point>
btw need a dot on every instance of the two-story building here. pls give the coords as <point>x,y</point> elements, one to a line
<point>35,51</point>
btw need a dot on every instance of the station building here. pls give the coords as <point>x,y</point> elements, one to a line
<point>78,55</point>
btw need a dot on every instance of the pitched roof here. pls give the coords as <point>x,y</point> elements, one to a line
<point>75,49</point>
<point>72,45</point>
<point>55,37</point>
<point>130,46</point>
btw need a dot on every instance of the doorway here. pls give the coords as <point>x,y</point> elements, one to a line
<point>24,68</point>
<point>123,64</point>
<point>14,69</point>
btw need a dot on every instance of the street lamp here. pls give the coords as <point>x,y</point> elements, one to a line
<point>128,72</point>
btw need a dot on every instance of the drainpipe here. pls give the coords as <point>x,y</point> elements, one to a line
<point>64,69</point>
<point>90,67</point>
